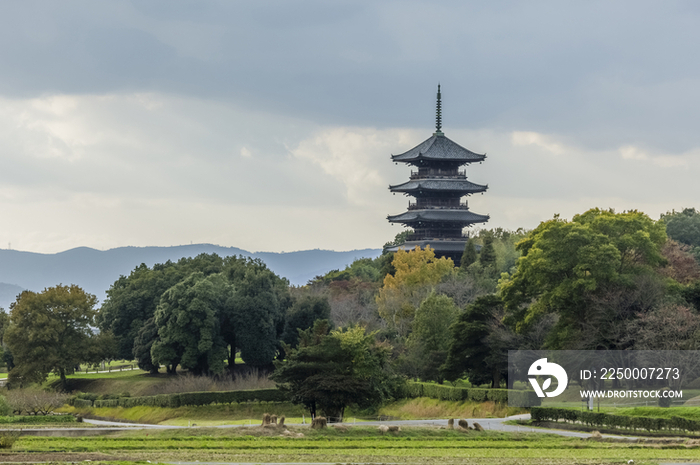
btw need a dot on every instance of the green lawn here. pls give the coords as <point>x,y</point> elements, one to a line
<point>136,382</point>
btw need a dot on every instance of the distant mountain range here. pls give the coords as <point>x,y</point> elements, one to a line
<point>96,270</point>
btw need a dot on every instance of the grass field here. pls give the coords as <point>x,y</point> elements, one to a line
<point>356,445</point>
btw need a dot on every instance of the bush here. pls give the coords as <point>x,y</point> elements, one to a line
<point>80,403</point>
<point>8,438</point>
<point>5,408</point>
<point>443,392</point>
<point>665,401</point>
<point>615,421</point>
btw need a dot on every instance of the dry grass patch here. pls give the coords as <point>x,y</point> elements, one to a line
<point>253,379</point>
<point>426,408</point>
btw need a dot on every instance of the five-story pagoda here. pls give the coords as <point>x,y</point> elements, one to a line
<point>437,216</point>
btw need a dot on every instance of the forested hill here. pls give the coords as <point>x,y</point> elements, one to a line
<point>95,270</point>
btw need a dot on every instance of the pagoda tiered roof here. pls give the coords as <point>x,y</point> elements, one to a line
<point>439,148</point>
<point>461,186</point>
<point>438,215</point>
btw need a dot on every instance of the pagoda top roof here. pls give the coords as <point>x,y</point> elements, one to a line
<point>439,148</point>
<point>440,185</point>
<point>439,214</point>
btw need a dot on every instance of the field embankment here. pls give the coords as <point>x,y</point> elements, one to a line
<point>249,413</point>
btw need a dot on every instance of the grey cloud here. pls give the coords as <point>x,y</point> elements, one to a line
<point>601,72</point>
<point>273,77</point>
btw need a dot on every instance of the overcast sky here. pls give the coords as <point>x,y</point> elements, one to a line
<point>268,125</point>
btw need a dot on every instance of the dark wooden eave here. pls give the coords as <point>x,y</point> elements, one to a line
<point>457,186</point>
<point>439,148</point>
<point>438,215</point>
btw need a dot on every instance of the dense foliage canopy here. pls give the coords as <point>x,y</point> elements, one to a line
<point>51,331</point>
<point>197,313</point>
<point>564,262</point>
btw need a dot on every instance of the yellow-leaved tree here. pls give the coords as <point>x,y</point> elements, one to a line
<point>418,271</point>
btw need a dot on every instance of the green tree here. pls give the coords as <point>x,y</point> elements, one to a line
<point>7,358</point>
<point>564,264</point>
<point>250,313</point>
<point>145,338</point>
<point>432,321</point>
<point>302,315</point>
<point>362,269</point>
<point>5,354</point>
<point>4,323</point>
<point>430,337</point>
<point>51,331</point>
<point>468,354</point>
<point>469,255</point>
<point>133,299</point>
<point>487,255</point>
<point>188,324</point>
<point>259,306</point>
<point>329,371</point>
<point>684,227</point>
<point>254,321</point>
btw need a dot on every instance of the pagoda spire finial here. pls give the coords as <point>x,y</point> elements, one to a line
<point>438,114</point>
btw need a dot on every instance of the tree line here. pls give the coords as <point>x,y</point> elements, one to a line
<point>602,280</point>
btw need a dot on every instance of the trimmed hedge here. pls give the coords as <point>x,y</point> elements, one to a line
<point>80,403</point>
<point>197,398</point>
<point>412,390</point>
<point>615,421</point>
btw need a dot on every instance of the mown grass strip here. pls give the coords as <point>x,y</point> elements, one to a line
<point>37,419</point>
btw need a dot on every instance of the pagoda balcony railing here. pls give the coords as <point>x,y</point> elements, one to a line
<point>438,206</point>
<point>432,237</point>
<point>438,174</point>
